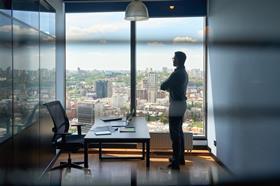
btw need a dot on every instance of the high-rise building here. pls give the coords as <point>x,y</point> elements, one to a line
<point>118,100</point>
<point>152,87</point>
<point>109,89</point>
<point>101,88</point>
<point>86,115</point>
<point>142,94</point>
<point>152,80</point>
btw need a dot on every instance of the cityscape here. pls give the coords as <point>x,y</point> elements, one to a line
<point>98,93</point>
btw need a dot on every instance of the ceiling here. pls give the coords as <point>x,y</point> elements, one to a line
<point>156,8</point>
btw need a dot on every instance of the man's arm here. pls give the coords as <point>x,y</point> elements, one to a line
<point>167,84</point>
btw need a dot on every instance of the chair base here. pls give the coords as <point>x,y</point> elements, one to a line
<point>69,164</point>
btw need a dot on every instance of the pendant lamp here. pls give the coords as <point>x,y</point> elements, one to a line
<point>136,10</point>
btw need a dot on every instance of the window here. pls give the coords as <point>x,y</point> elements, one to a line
<point>157,40</point>
<point>97,66</point>
<point>98,63</point>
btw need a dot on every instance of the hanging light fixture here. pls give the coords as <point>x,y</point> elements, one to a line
<point>136,10</point>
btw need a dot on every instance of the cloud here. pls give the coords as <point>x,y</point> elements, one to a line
<point>78,32</point>
<point>183,39</point>
<point>22,30</point>
<point>5,28</point>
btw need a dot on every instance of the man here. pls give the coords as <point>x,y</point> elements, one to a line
<point>176,85</point>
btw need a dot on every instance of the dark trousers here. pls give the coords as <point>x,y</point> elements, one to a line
<point>177,138</point>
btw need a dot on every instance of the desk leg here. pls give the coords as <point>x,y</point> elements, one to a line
<point>85,154</point>
<point>100,151</point>
<point>143,150</point>
<point>148,154</point>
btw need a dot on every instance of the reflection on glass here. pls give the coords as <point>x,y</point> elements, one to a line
<point>157,40</point>
<point>47,68</point>
<point>27,11</point>
<point>5,78</point>
<point>97,64</point>
<point>47,18</point>
<point>25,75</point>
<point>5,6</point>
<point>47,82</point>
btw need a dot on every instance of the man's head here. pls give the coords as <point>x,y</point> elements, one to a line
<point>179,59</point>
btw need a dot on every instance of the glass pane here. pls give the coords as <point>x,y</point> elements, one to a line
<point>47,68</point>
<point>5,77</point>
<point>47,18</point>
<point>6,6</point>
<point>98,66</point>
<point>27,11</point>
<point>157,40</point>
<point>26,75</point>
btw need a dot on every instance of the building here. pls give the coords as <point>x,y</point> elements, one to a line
<point>152,87</point>
<point>86,115</point>
<point>101,88</point>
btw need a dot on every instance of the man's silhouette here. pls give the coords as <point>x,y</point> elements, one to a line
<point>176,85</point>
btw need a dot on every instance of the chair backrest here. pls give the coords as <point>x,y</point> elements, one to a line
<point>59,117</point>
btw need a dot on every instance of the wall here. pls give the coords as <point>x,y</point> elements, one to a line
<point>243,99</point>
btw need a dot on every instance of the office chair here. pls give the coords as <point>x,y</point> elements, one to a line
<point>63,140</point>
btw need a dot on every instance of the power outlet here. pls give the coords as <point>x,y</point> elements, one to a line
<point>215,143</point>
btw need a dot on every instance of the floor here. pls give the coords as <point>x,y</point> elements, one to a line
<point>200,169</point>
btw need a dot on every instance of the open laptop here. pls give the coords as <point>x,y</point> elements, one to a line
<point>117,121</point>
<point>109,119</point>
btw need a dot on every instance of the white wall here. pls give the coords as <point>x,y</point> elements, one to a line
<point>244,84</point>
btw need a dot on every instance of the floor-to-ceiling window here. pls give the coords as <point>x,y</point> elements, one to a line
<point>97,66</point>
<point>157,40</point>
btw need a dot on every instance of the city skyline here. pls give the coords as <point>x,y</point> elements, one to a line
<point>91,87</point>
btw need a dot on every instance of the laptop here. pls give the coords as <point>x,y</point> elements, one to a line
<point>118,123</point>
<point>109,119</point>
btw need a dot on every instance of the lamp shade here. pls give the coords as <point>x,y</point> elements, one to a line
<point>136,10</point>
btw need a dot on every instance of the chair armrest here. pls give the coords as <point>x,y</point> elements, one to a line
<point>63,135</point>
<point>79,127</point>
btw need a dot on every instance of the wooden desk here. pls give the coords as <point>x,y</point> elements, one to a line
<point>140,136</point>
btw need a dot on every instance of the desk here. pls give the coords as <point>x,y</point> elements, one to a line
<point>140,136</point>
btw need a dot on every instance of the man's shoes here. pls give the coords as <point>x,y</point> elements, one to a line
<point>182,162</point>
<point>173,167</point>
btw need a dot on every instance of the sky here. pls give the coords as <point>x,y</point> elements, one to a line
<point>102,41</point>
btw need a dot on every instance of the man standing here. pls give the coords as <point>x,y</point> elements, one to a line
<point>176,85</point>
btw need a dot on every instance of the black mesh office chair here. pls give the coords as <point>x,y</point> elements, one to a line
<point>63,140</point>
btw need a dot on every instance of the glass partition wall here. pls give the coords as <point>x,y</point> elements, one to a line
<point>27,63</point>
<point>98,63</point>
